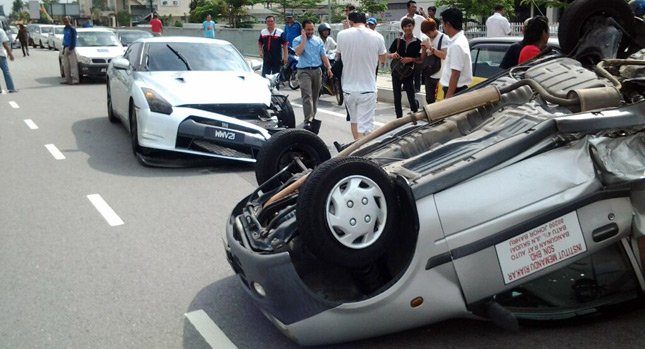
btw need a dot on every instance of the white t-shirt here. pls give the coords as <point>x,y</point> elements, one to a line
<point>418,19</point>
<point>445,42</point>
<point>3,38</point>
<point>359,48</point>
<point>497,25</point>
<point>330,44</point>
<point>458,58</point>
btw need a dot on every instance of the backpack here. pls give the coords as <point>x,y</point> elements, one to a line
<point>432,64</point>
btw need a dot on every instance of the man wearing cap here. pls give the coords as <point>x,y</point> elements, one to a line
<point>292,29</point>
<point>371,23</point>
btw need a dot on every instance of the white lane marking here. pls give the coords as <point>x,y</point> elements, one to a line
<point>105,210</point>
<point>14,105</point>
<point>32,125</point>
<point>213,335</point>
<point>55,152</point>
<point>379,124</point>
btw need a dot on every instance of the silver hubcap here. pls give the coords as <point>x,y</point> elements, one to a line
<point>356,212</point>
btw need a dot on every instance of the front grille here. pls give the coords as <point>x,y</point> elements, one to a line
<point>215,148</point>
<point>99,60</point>
<point>239,111</point>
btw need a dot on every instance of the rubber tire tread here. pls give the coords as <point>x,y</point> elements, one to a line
<point>578,12</point>
<point>289,118</point>
<point>311,211</point>
<point>111,117</point>
<point>267,161</point>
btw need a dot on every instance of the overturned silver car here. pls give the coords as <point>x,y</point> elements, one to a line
<point>521,199</point>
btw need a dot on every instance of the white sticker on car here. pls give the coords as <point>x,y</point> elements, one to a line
<point>541,247</point>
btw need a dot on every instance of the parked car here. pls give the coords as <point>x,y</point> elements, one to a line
<point>520,199</point>
<point>15,43</point>
<point>55,38</point>
<point>41,32</point>
<point>128,36</point>
<point>95,48</point>
<point>32,29</point>
<point>487,54</point>
<point>193,96</point>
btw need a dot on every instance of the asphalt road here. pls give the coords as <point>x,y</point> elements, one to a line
<point>70,279</point>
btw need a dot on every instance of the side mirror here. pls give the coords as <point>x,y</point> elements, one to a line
<point>121,63</point>
<point>256,64</point>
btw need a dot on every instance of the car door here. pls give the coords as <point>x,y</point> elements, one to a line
<point>486,59</point>
<point>121,81</point>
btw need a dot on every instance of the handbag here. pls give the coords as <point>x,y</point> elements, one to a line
<point>432,64</point>
<point>337,68</point>
<point>399,69</point>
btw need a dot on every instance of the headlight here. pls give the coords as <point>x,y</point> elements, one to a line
<point>83,59</point>
<point>156,102</point>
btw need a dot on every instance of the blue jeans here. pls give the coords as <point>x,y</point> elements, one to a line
<point>4,65</point>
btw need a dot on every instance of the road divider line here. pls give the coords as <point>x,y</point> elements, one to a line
<point>376,123</point>
<point>105,210</point>
<point>55,152</point>
<point>32,125</point>
<point>14,105</point>
<point>213,335</point>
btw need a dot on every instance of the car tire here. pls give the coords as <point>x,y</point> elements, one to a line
<point>338,91</point>
<point>62,71</point>
<point>134,130</point>
<point>575,20</point>
<point>287,116</point>
<point>277,153</point>
<point>111,117</point>
<point>41,44</point>
<point>345,211</point>
<point>294,84</point>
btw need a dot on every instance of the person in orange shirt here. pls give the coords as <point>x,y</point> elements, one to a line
<point>535,38</point>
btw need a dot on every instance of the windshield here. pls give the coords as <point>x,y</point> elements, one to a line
<point>90,39</point>
<point>182,56</point>
<point>59,30</point>
<point>129,37</point>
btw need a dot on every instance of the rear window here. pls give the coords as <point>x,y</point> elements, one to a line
<point>486,59</point>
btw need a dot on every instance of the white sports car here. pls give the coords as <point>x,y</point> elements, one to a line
<point>193,96</point>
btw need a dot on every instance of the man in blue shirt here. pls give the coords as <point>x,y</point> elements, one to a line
<point>70,63</point>
<point>209,28</point>
<point>311,52</point>
<point>291,29</point>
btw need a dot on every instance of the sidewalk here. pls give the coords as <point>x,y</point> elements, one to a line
<point>384,85</point>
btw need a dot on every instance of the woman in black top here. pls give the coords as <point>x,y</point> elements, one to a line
<point>408,49</point>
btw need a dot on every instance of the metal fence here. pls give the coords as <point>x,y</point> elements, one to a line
<point>246,39</point>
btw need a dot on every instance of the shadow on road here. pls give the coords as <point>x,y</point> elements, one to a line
<point>109,150</point>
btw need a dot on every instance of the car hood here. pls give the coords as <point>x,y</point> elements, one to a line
<point>209,87</point>
<point>100,52</point>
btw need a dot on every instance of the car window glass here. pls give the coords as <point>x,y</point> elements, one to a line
<point>59,30</point>
<point>129,37</point>
<point>486,60</point>
<point>95,39</point>
<point>182,56</point>
<point>134,52</point>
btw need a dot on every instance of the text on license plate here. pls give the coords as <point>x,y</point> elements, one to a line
<point>103,70</point>
<point>540,247</point>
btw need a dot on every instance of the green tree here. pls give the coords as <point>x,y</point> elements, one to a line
<point>479,8</point>
<point>292,5</point>
<point>374,7</point>
<point>235,11</point>
<point>123,18</point>
<point>203,8</point>
<point>547,3</point>
<point>16,7</point>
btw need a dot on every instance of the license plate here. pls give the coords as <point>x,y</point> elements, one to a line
<point>225,134</point>
<point>541,247</point>
<point>103,70</point>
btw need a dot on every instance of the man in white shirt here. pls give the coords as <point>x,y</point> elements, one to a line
<point>457,71</point>
<point>497,25</point>
<point>360,49</point>
<point>418,19</point>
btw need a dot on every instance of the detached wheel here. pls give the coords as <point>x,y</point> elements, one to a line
<point>346,211</point>
<point>338,90</point>
<point>577,19</point>
<point>294,84</point>
<point>281,149</point>
<point>62,71</point>
<point>113,119</point>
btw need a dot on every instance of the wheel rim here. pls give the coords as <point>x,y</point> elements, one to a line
<point>293,80</point>
<point>356,212</point>
<point>307,155</point>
